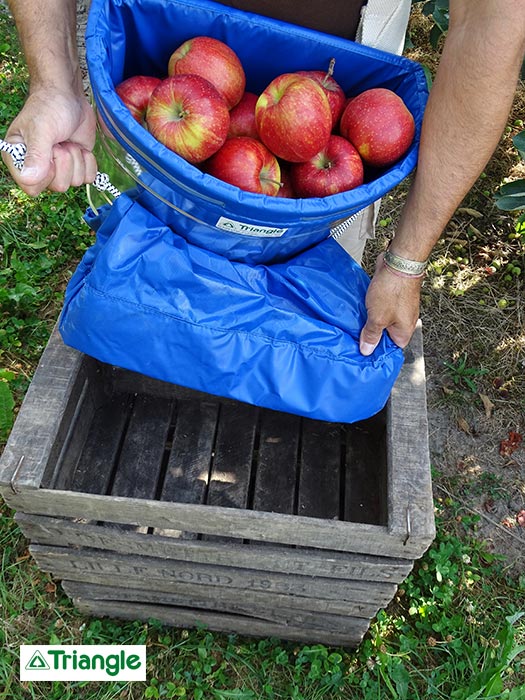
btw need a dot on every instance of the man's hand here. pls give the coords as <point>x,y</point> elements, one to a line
<point>392,303</point>
<point>58,129</point>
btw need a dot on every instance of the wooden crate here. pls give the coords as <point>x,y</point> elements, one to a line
<point>149,500</point>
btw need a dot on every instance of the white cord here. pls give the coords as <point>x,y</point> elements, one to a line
<point>17,151</point>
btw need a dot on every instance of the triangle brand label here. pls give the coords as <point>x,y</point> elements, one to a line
<point>37,663</point>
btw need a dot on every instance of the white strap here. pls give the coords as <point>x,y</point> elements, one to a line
<point>383,24</point>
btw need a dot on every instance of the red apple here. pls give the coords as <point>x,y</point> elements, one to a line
<point>286,189</point>
<point>214,60</point>
<point>333,91</point>
<point>242,117</point>
<point>247,164</point>
<point>293,117</point>
<point>379,125</point>
<point>336,168</point>
<point>187,114</point>
<point>347,102</point>
<point>135,93</point>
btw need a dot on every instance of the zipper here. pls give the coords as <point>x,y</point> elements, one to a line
<point>338,230</point>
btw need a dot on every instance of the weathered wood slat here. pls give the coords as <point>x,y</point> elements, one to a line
<point>149,570</point>
<point>44,418</point>
<point>188,470</point>
<point>141,457</point>
<point>269,612</point>
<point>94,591</point>
<point>96,463</point>
<point>365,482</point>
<point>140,460</point>
<point>276,474</point>
<point>319,493</point>
<point>231,469</point>
<point>232,462</point>
<point>228,522</point>
<point>60,476</point>
<point>187,474</point>
<point>223,594</point>
<point>410,500</point>
<point>219,622</point>
<point>309,562</point>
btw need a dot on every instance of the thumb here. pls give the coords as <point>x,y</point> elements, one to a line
<point>38,165</point>
<point>370,336</point>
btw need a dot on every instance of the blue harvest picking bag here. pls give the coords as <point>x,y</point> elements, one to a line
<point>282,336</point>
<point>131,37</point>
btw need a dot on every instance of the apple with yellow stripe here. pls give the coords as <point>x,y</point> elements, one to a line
<point>379,124</point>
<point>188,116</point>
<point>293,117</point>
<point>214,60</point>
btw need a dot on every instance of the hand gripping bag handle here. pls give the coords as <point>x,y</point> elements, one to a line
<point>18,151</point>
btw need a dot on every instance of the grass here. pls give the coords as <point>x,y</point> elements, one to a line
<point>453,631</point>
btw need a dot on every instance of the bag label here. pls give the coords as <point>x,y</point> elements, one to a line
<point>249,229</point>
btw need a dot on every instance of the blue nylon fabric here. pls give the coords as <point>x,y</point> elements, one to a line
<point>127,37</point>
<point>282,336</point>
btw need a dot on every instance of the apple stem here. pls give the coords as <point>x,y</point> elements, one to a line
<point>330,71</point>
<point>275,182</point>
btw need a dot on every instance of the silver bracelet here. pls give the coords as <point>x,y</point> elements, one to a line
<point>411,268</point>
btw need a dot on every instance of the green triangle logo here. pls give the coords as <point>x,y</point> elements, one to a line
<point>37,663</point>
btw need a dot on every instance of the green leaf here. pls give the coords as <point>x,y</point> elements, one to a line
<point>511,203</point>
<point>512,188</point>
<point>519,142</point>
<point>512,619</point>
<point>435,35</point>
<point>511,196</point>
<point>517,694</point>
<point>428,8</point>
<point>428,76</point>
<point>401,678</point>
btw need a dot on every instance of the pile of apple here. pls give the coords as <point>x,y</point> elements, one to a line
<point>301,137</point>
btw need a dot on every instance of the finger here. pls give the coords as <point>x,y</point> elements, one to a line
<point>84,166</point>
<point>90,167</point>
<point>64,168</point>
<point>400,336</point>
<point>69,167</point>
<point>78,175</point>
<point>370,336</point>
<point>74,166</point>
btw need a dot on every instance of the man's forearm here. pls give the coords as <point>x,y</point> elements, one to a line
<point>466,114</point>
<point>48,36</point>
